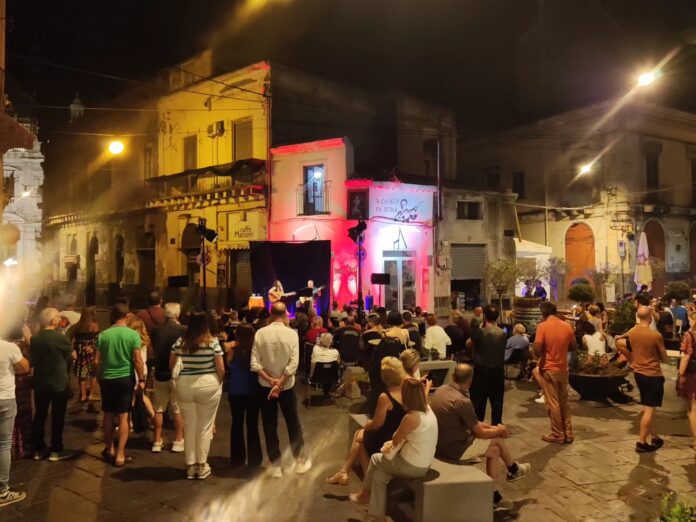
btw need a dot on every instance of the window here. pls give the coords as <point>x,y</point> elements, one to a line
<point>314,182</point>
<point>492,178</point>
<point>147,162</point>
<point>652,150</point>
<point>190,152</point>
<point>469,210</point>
<point>242,140</point>
<point>518,184</point>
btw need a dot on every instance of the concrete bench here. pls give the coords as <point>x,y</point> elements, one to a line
<point>450,492</point>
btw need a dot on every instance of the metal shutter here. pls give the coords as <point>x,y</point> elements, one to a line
<point>468,261</point>
<point>243,270</point>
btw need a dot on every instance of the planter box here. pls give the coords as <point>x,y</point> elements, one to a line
<point>596,387</point>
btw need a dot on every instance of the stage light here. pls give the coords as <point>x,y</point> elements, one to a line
<point>355,232</point>
<point>207,233</point>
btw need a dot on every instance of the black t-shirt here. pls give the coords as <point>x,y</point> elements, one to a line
<point>489,346</point>
<point>456,335</point>
<point>163,338</point>
<point>666,320</point>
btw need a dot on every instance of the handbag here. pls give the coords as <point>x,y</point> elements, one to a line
<point>392,451</point>
<point>178,367</point>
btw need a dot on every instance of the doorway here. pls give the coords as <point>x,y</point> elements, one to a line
<point>655,235</point>
<point>579,252</point>
<point>146,262</point>
<point>400,293</point>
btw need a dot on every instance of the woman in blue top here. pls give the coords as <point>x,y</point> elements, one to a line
<point>198,391</point>
<point>243,393</point>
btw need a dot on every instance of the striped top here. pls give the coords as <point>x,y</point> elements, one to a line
<point>202,361</point>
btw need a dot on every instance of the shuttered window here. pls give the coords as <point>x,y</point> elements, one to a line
<point>468,261</point>
<point>243,140</point>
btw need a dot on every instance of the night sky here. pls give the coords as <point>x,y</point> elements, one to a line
<point>495,62</point>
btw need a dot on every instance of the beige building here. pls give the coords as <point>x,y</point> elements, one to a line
<point>639,176</point>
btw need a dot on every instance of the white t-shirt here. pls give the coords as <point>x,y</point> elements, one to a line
<point>436,337</point>
<point>320,354</point>
<point>595,343</point>
<point>10,354</point>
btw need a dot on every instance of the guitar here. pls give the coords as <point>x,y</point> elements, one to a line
<point>274,297</point>
<point>315,291</point>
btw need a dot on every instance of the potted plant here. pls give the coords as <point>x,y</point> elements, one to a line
<point>673,511</point>
<point>677,290</point>
<point>595,378</point>
<point>501,275</point>
<point>581,293</point>
<point>622,318</point>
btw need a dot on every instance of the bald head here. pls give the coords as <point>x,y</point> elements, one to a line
<point>462,374</point>
<point>644,314</point>
<point>278,311</point>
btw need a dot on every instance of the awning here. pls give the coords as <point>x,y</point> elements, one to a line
<point>13,135</point>
<point>241,170</point>
<point>233,245</point>
<point>525,248</point>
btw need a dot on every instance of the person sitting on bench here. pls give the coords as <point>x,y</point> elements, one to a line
<point>461,436</point>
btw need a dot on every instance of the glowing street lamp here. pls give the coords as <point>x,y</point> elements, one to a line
<point>647,78</point>
<point>116,147</point>
<point>586,168</point>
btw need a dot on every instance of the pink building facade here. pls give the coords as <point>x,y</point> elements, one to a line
<point>315,196</point>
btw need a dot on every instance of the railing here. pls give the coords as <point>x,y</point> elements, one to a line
<point>313,199</point>
<point>190,184</point>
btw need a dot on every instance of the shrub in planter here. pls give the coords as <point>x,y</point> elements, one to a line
<point>581,293</point>
<point>596,364</point>
<point>677,290</point>
<point>622,318</point>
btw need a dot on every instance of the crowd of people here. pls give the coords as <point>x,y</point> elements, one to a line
<point>170,364</point>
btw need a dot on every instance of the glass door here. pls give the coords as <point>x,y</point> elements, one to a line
<point>400,293</point>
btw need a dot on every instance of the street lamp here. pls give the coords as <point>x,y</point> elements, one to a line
<point>357,235</point>
<point>647,78</point>
<point>586,168</point>
<point>116,147</point>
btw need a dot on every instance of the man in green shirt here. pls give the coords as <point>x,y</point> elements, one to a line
<point>118,359</point>
<point>50,353</point>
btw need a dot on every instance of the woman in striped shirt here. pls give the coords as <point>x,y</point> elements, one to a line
<point>198,390</point>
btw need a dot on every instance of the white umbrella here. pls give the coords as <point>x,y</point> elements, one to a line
<point>644,274</point>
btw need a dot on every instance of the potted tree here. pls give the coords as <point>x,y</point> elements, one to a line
<point>678,290</point>
<point>581,293</point>
<point>622,318</point>
<point>529,273</point>
<point>596,379</point>
<point>501,275</point>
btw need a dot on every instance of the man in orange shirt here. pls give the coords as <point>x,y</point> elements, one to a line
<point>554,339</point>
<point>645,349</point>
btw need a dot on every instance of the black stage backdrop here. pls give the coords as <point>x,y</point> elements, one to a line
<point>294,264</point>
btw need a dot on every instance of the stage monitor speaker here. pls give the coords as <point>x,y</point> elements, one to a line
<point>180,281</point>
<point>380,279</point>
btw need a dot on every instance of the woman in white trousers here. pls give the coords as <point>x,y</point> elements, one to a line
<point>198,391</point>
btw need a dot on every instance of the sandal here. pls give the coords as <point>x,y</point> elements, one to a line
<point>340,478</point>
<point>127,460</point>
<point>107,456</point>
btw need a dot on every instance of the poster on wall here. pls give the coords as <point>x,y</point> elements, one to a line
<point>402,204</point>
<point>358,205</point>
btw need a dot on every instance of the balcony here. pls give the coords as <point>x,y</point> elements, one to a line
<point>314,199</point>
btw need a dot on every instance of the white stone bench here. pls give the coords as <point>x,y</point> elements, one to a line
<point>450,492</point>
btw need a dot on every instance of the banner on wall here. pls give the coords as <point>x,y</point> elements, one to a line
<point>402,204</point>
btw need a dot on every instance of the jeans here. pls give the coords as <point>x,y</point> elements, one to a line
<point>198,397</point>
<point>245,408</point>
<point>269,417</point>
<point>58,402</point>
<point>379,475</point>
<point>8,411</point>
<point>488,385</point>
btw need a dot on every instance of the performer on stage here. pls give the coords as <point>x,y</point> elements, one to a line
<point>276,293</point>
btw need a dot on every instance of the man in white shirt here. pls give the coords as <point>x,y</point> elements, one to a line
<point>11,361</point>
<point>275,357</point>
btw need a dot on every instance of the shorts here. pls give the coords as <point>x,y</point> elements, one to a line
<point>117,394</point>
<point>652,389</point>
<point>164,395</point>
<point>477,449</point>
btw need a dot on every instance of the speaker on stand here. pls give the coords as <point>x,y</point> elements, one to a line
<point>381,280</point>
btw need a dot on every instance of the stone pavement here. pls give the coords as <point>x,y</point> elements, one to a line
<point>599,477</point>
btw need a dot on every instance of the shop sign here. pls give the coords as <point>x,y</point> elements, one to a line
<point>401,205</point>
<point>249,227</point>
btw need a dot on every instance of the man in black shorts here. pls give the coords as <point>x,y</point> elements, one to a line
<point>118,355</point>
<point>645,349</point>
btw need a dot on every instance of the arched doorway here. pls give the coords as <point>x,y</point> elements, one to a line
<point>579,252</point>
<point>91,266</point>
<point>656,245</point>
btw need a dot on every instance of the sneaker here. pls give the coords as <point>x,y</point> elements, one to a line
<point>178,446</point>
<point>657,442</point>
<point>275,472</point>
<point>39,455</point>
<point>540,399</point>
<point>203,471</point>
<point>522,470</point>
<point>157,447</point>
<point>55,456</point>
<point>644,447</point>
<point>11,497</point>
<point>504,504</point>
<point>303,466</point>
<point>191,471</point>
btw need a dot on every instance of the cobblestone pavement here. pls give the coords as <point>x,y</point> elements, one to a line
<point>599,477</point>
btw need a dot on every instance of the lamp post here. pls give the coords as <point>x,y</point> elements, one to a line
<point>356,233</point>
<point>206,234</point>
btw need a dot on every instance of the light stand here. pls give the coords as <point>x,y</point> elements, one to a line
<point>356,233</point>
<point>211,236</point>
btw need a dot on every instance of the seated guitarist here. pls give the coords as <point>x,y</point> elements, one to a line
<point>276,292</point>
